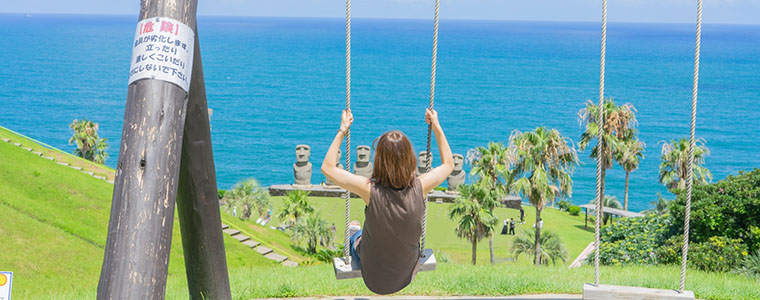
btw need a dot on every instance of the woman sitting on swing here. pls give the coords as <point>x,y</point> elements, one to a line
<point>387,249</point>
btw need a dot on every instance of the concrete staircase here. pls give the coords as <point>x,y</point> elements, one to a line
<point>65,164</point>
<point>256,246</point>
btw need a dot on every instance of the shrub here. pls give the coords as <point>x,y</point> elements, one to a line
<point>634,240</point>
<point>574,210</point>
<point>564,205</point>
<point>248,197</point>
<point>717,254</point>
<point>750,265</point>
<point>552,248</point>
<point>726,208</point>
<point>670,251</point>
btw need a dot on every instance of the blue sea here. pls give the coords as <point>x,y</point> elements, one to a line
<point>277,82</point>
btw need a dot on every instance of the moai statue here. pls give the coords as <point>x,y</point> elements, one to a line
<point>458,175</point>
<point>422,163</point>
<point>362,166</point>
<point>329,182</point>
<point>302,167</point>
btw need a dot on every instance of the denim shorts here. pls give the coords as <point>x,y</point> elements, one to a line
<point>351,241</point>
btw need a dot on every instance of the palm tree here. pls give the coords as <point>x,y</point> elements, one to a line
<point>89,145</point>
<point>474,220</point>
<point>545,162</point>
<point>619,121</point>
<point>660,206</point>
<point>609,201</point>
<point>312,230</point>
<point>296,206</point>
<point>628,155</point>
<point>247,196</point>
<point>492,166</point>
<point>675,163</point>
<point>552,247</point>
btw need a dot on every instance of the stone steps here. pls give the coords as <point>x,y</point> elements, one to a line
<point>241,237</point>
<point>6,140</point>
<point>290,263</point>
<point>263,250</point>
<point>275,257</point>
<point>231,231</point>
<point>251,243</point>
<point>256,246</point>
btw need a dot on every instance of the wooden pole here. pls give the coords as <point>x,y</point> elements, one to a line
<point>137,250</point>
<point>198,199</point>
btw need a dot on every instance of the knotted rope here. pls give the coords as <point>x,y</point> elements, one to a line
<point>430,128</point>
<point>346,243</point>
<point>601,145</point>
<point>692,145</point>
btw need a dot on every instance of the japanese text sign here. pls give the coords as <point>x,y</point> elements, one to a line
<point>163,50</point>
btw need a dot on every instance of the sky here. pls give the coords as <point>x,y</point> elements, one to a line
<point>658,11</point>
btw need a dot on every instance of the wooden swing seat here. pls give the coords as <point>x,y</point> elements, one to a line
<point>352,270</point>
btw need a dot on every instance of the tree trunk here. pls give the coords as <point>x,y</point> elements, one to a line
<point>537,259</point>
<point>474,251</point>
<point>490,247</point>
<point>136,257</point>
<point>627,174</point>
<point>604,180</point>
<point>198,198</point>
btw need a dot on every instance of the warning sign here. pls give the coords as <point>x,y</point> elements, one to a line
<point>6,279</point>
<point>163,50</point>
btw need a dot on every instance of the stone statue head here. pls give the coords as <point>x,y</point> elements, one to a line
<point>422,160</point>
<point>458,162</point>
<point>303,152</point>
<point>363,153</point>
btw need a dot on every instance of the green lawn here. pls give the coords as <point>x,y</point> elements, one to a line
<point>512,279</point>
<point>53,224</point>
<point>443,240</point>
<point>53,227</point>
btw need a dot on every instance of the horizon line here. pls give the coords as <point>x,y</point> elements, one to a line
<point>379,18</point>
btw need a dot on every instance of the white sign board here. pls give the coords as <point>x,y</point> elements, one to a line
<point>163,50</point>
<point>6,279</point>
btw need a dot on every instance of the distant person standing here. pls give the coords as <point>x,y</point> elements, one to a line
<point>512,226</point>
<point>540,224</point>
<point>522,215</point>
<point>504,229</point>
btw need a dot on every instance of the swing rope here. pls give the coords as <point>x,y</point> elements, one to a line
<point>601,145</point>
<point>692,145</point>
<point>430,128</point>
<point>347,195</point>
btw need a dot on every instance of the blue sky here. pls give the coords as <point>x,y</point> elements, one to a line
<point>681,11</point>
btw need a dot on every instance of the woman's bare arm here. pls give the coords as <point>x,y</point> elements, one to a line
<point>436,176</point>
<point>344,179</point>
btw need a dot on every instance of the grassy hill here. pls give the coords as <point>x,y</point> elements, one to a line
<point>54,224</point>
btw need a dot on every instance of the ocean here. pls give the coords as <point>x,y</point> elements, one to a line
<point>274,83</point>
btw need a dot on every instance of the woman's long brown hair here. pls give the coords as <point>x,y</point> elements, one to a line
<point>394,160</point>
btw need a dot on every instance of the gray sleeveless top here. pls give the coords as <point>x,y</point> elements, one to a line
<point>389,248</point>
